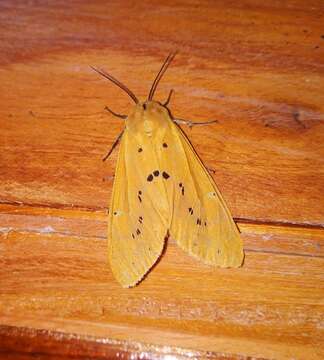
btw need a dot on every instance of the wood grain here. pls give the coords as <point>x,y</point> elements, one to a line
<point>59,280</point>
<point>255,67</point>
<point>266,92</point>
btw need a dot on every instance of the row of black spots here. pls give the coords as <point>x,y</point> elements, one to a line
<point>138,232</point>
<point>139,196</point>
<point>201,222</point>
<point>140,149</point>
<point>156,173</point>
<point>181,186</point>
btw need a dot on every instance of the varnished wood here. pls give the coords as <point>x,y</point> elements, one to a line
<point>265,90</point>
<point>257,69</point>
<point>54,274</point>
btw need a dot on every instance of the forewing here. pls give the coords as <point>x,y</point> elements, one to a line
<point>201,222</point>
<point>138,216</point>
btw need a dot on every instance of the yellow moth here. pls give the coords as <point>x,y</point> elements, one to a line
<point>161,189</point>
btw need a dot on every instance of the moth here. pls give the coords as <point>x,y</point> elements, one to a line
<point>162,189</point>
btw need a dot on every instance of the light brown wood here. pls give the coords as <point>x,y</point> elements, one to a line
<point>262,155</point>
<point>58,279</point>
<point>256,68</point>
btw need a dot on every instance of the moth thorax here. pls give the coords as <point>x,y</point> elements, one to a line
<point>148,127</point>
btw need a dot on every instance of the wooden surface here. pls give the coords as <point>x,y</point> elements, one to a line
<point>259,70</point>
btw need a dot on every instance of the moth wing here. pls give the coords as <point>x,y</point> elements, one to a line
<point>201,223</point>
<point>135,231</point>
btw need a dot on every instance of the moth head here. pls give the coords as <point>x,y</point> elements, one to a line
<point>153,109</point>
<point>148,117</point>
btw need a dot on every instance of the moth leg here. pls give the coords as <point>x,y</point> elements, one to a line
<point>108,178</point>
<point>210,170</point>
<point>193,123</point>
<point>169,98</point>
<point>113,146</point>
<point>115,114</point>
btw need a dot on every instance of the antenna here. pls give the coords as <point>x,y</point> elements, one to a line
<point>116,82</point>
<point>158,77</point>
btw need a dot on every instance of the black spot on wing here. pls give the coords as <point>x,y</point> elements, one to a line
<point>165,175</point>
<point>165,145</point>
<point>156,172</point>
<point>150,177</point>
<point>140,150</point>
<point>181,186</point>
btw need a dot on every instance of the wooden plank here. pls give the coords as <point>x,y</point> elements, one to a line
<point>61,282</point>
<point>256,68</point>
<point>23,343</point>
<point>259,74</point>
<point>257,237</point>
